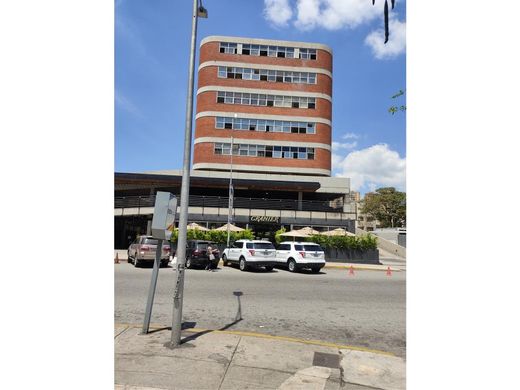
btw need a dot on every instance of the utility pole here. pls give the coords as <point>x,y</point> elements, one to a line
<point>198,11</point>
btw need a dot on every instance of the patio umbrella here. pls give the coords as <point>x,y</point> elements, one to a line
<point>294,234</point>
<point>308,230</point>
<point>338,232</point>
<point>194,226</point>
<point>232,228</point>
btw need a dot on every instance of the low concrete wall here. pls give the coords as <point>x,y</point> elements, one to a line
<point>352,256</point>
<point>385,244</point>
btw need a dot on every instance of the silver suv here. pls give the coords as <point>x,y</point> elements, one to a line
<point>298,255</point>
<point>142,250</point>
<point>251,253</point>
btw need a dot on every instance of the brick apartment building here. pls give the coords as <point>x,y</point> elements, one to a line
<point>273,97</point>
<point>271,100</point>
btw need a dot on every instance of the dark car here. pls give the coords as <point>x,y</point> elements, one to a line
<point>197,253</point>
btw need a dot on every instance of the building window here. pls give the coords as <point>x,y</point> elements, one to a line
<point>274,76</point>
<point>308,54</point>
<point>247,150</point>
<point>265,125</point>
<point>228,48</point>
<point>253,99</point>
<point>268,51</point>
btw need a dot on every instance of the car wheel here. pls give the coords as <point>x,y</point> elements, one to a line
<point>315,269</point>
<point>188,262</point>
<point>224,260</point>
<point>269,268</point>
<point>291,265</point>
<point>242,264</point>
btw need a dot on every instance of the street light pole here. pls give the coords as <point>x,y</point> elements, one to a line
<point>185,186</point>
<point>230,194</point>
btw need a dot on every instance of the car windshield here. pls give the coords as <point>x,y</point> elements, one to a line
<point>149,241</point>
<point>202,245</point>
<point>263,245</point>
<point>313,248</point>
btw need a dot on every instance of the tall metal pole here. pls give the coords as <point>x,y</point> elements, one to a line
<point>231,194</point>
<point>185,193</point>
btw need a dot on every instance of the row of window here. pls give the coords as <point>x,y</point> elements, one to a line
<point>278,76</point>
<point>256,99</point>
<point>290,152</point>
<point>265,125</point>
<point>267,51</point>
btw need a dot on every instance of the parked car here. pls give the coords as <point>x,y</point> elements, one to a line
<point>251,253</point>
<point>300,255</point>
<point>197,254</point>
<point>142,250</point>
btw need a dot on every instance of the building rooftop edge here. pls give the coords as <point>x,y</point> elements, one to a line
<point>328,183</point>
<point>262,41</point>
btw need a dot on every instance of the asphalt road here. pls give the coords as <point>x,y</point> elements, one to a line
<point>367,309</point>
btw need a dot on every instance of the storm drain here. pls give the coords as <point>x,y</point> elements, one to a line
<point>330,360</point>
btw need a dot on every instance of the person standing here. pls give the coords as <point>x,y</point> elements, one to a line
<point>211,258</point>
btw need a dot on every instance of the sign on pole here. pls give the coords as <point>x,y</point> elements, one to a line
<point>163,221</point>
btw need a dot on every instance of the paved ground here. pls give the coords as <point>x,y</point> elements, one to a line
<point>363,310</point>
<point>227,360</point>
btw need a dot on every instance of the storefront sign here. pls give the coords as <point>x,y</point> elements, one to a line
<point>264,219</point>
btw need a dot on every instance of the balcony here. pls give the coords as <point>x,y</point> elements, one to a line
<point>215,208</point>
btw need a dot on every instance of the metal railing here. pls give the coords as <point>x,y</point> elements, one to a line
<point>240,203</point>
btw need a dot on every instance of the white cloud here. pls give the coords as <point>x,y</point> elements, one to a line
<point>336,146</point>
<point>371,168</point>
<point>350,135</point>
<point>277,11</point>
<point>334,14</point>
<point>396,41</point>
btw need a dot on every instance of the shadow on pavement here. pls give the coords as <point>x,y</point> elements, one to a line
<point>198,334</point>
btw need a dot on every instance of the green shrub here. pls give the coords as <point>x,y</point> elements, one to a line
<point>345,242</point>
<point>277,236</point>
<point>246,234</point>
<point>217,236</point>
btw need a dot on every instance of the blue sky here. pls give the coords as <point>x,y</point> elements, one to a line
<point>151,68</point>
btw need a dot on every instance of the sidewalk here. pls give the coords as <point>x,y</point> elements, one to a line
<point>240,360</point>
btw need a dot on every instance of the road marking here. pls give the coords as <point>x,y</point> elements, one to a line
<point>268,336</point>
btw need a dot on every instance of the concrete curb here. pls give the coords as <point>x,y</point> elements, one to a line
<point>267,336</point>
<point>346,266</point>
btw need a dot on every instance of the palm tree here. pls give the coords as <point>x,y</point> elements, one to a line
<point>387,33</point>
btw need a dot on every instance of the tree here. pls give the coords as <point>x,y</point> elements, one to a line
<point>386,205</point>
<point>393,109</point>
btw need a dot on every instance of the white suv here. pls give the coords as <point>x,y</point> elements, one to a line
<point>298,255</point>
<point>251,253</point>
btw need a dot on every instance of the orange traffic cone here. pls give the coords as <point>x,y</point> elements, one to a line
<point>116,260</point>
<point>351,270</point>
<point>388,272</point>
